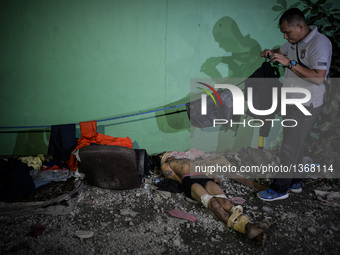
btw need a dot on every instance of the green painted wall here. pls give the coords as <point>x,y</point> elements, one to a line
<point>68,61</point>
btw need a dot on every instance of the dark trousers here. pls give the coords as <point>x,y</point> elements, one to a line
<point>291,153</point>
<point>62,142</point>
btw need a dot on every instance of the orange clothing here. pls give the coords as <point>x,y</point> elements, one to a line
<point>90,135</point>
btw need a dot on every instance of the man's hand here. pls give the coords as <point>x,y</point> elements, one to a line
<point>266,53</point>
<point>282,59</point>
<point>269,53</point>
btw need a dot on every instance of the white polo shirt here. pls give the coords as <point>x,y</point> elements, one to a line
<point>315,52</point>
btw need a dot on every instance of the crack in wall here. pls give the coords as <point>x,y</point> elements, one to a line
<point>165,51</point>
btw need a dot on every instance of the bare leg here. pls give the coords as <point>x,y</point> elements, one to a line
<point>214,206</point>
<point>221,208</point>
<point>213,189</point>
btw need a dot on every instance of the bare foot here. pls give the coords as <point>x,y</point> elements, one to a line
<point>257,231</point>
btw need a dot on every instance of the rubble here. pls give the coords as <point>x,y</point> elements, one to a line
<point>138,222</point>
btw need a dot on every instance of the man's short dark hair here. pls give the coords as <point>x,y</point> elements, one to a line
<point>293,15</point>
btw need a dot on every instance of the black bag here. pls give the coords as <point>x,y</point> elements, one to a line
<point>262,88</point>
<point>218,111</point>
<point>262,81</point>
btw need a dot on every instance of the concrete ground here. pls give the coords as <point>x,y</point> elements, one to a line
<point>138,222</point>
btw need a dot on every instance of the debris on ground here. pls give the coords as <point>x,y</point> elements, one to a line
<point>138,222</point>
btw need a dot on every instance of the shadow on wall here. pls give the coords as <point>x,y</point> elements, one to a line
<point>37,141</point>
<point>243,58</point>
<point>31,142</point>
<point>173,120</point>
<point>190,29</point>
<point>245,51</point>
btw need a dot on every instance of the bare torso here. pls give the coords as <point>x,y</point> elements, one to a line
<point>175,168</point>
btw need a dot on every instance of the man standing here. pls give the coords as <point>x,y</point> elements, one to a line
<point>307,58</point>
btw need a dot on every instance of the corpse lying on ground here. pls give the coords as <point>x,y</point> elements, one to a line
<point>206,191</point>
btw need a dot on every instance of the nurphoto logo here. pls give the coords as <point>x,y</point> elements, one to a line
<point>238,103</point>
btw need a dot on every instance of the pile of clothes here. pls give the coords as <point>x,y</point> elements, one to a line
<point>21,176</point>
